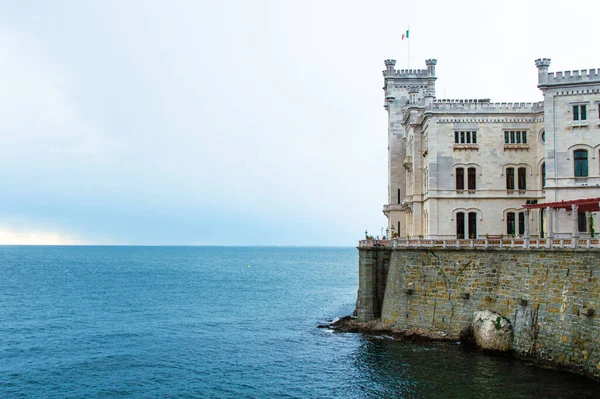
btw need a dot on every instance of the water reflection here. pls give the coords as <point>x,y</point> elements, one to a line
<point>405,370</point>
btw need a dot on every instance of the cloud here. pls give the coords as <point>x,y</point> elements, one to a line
<point>13,237</point>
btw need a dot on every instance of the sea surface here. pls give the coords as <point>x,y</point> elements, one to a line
<point>222,322</point>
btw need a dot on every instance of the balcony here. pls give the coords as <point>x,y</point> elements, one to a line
<point>484,243</point>
<point>516,147</point>
<point>474,147</point>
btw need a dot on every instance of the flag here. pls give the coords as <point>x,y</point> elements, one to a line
<point>405,35</point>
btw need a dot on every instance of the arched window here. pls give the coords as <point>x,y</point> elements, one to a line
<point>521,223</point>
<point>471,178</point>
<point>522,178</point>
<point>472,225</point>
<point>460,225</point>
<point>580,158</point>
<point>510,178</point>
<point>510,223</point>
<point>544,175</point>
<point>460,178</point>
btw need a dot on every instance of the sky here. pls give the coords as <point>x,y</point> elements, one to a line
<point>237,122</point>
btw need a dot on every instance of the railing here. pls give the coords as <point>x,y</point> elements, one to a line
<point>522,243</point>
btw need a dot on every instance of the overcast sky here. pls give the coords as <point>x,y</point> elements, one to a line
<point>237,122</point>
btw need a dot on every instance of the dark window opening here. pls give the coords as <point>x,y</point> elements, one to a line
<point>510,178</point>
<point>581,222</point>
<point>471,178</point>
<point>521,223</point>
<point>522,179</point>
<point>580,160</point>
<point>510,223</point>
<point>460,225</point>
<point>579,112</point>
<point>544,175</point>
<point>460,179</point>
<point>472,225</point>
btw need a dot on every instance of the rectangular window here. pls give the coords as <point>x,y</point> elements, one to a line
<point>515,137</point>
<point>510,178</point>
<point>521,223</point>
<point>465,137</point>
<point>460,225</point>
<point>522,179</point>
<point>579,112</point>
<point>510,223</point>
<point>581,222</point>
<point>580,163</point>
<point>460,179</point>
<point>471,178</point>
<point>399,197</point>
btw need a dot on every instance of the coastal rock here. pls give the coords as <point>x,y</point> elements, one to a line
<point>491,331</point>
<point>378,328</point>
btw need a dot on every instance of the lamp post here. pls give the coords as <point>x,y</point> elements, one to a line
<point>387,233</point>
<point>366,234</point>
<point>392,230</point>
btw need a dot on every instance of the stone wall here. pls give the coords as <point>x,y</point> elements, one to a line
<point>551,297</point>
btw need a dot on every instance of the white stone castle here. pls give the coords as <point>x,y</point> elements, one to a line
<point>474,169</point>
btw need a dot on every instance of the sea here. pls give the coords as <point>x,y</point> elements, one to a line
<point>222,322</point>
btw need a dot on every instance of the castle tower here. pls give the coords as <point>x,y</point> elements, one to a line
<point>406,91</point>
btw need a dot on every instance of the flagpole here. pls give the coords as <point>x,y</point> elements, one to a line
<point>408,39</point>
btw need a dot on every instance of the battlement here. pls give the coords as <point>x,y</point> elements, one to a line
<point>391,72</point>
<point>577,76</point>
<point>406,73</point>
<point>485,105</point>
<point>469,100</point>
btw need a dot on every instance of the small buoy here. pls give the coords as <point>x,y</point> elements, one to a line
<point>248,266</point>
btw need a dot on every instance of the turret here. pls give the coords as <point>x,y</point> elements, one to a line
<point>389,67</point>
<point>412,96</point>
<point>542,65</point>
<point>431,63</point>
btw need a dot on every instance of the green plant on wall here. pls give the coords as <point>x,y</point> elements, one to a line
<point>592,231</point>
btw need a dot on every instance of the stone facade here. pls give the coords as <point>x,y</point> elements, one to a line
<point>551,297</point>
<point>465,168</point>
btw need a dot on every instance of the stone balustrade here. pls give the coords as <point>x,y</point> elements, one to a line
<point>485,243</point>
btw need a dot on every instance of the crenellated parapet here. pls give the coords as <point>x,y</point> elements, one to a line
<point>484,105</point>
<point>391,72</point>
<point>574,77</point>
<point>578,76</point>
<point>461,101</point>
<point>406,73</point>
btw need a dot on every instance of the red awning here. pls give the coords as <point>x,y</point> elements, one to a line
<point>584,205</point>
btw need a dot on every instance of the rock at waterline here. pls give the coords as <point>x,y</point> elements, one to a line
<point>492,331</point>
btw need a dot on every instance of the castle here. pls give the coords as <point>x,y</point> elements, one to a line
<point>473,168</point>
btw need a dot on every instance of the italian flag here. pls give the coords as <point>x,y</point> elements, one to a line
<point>405,35</point>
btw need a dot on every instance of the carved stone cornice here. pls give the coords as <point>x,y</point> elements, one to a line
<point>491,120</point>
